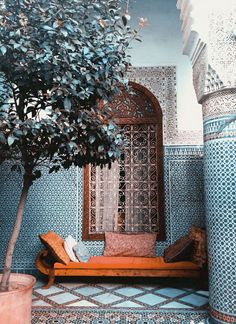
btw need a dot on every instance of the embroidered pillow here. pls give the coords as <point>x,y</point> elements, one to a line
<point>135,244</point>
<point>54,243</point>
<point>69,243</point>
<point>81,252</point>
<point>199,255</point>
<point>180,250</point>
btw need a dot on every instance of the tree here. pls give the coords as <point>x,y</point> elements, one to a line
<point>58,60</point>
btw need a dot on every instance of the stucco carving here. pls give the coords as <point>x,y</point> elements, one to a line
<point>210,43</point>
<point>213,81</point>
<point>161,81</point>
<point>222,43</point>
<point>205,79</point>
<point>199,74</point>
<point>219,103</point>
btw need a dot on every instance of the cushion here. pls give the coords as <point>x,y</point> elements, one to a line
<point>81,252</point>
<point>54,243</point>
<point>199,255</point>
<point>135,244</point>
<point>181,250</point>
<point>69,243</point>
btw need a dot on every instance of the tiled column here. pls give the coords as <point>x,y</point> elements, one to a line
<point>219,110</point>
<point>209,28</point>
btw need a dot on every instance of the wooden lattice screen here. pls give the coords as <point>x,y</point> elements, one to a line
<point>138,177</point>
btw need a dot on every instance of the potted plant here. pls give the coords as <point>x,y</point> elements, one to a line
<point>58,60</point>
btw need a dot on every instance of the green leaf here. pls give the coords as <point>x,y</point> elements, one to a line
<point>2,138</point>
<point>110,153</point>
<point>11,139</point>
<point>100,148</point>
<point>18,133</point>
<point>3,50</point>
<point>86,50</point>
<point>64,32</point>
<point>55,24</point>
<point>67,104</point>
<point>92,139</point>
<point>46,27</point>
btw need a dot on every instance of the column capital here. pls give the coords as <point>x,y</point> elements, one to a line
<point>209,37</point>
<point>219,103</point>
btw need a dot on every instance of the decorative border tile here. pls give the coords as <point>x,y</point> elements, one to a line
<point>219,128</point>
<point>226,318</point>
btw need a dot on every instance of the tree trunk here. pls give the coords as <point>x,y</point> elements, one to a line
<point>15,233</point>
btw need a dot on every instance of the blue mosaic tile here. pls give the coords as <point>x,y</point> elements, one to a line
<point>195,300</point>
<point>88,291</point>
<point>127,304</point>
<point>47,292</point>
<point>150,299</point>
<point>63,298</point>
<point>82,303</point>
<point>51,206</point>
<point>128,291</point>
<point>106,298</point>
<point>220,173</point>
<point>170,292</point>
<point>56,203</point>
<point>175,304</point>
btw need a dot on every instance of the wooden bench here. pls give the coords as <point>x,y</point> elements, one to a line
<point>117,267</point>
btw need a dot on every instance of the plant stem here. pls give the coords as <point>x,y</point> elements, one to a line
<point>16,231</point>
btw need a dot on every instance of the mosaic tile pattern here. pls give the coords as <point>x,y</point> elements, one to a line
<point>95,316</point>
<point>184,189</point>
<point>56,203</point>
<point>220,171</point>
<point>220,127</point>
<point>187,195</point>
<point>219,317</point>
<point>52,205</point>
<point>159,295</point>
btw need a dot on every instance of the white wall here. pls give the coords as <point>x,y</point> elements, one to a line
<point>162,45</point>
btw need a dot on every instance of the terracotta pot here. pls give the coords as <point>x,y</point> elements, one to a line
<point>15,305</point>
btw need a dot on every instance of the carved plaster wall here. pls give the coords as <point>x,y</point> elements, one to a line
<point>161,81</point>
<point>219,104</point>
<point>210,42</point>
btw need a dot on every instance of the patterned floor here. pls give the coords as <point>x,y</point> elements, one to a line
<point>138,295</point>
<point>101,316</point>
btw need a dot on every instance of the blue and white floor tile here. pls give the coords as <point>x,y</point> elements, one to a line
<point>120,296</point>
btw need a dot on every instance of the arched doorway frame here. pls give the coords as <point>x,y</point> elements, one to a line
<point>126,120</point>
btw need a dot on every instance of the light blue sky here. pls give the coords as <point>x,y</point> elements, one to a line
<point>162,45</point>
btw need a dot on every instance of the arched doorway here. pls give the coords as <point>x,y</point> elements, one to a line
<point>129,196</point>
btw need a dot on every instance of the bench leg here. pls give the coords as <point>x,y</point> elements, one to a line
<point>50,280</point>
<point>202,280</point>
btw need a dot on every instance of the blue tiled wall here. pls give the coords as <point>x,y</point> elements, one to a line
<point>56,203</point>
<point>220,184</point>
